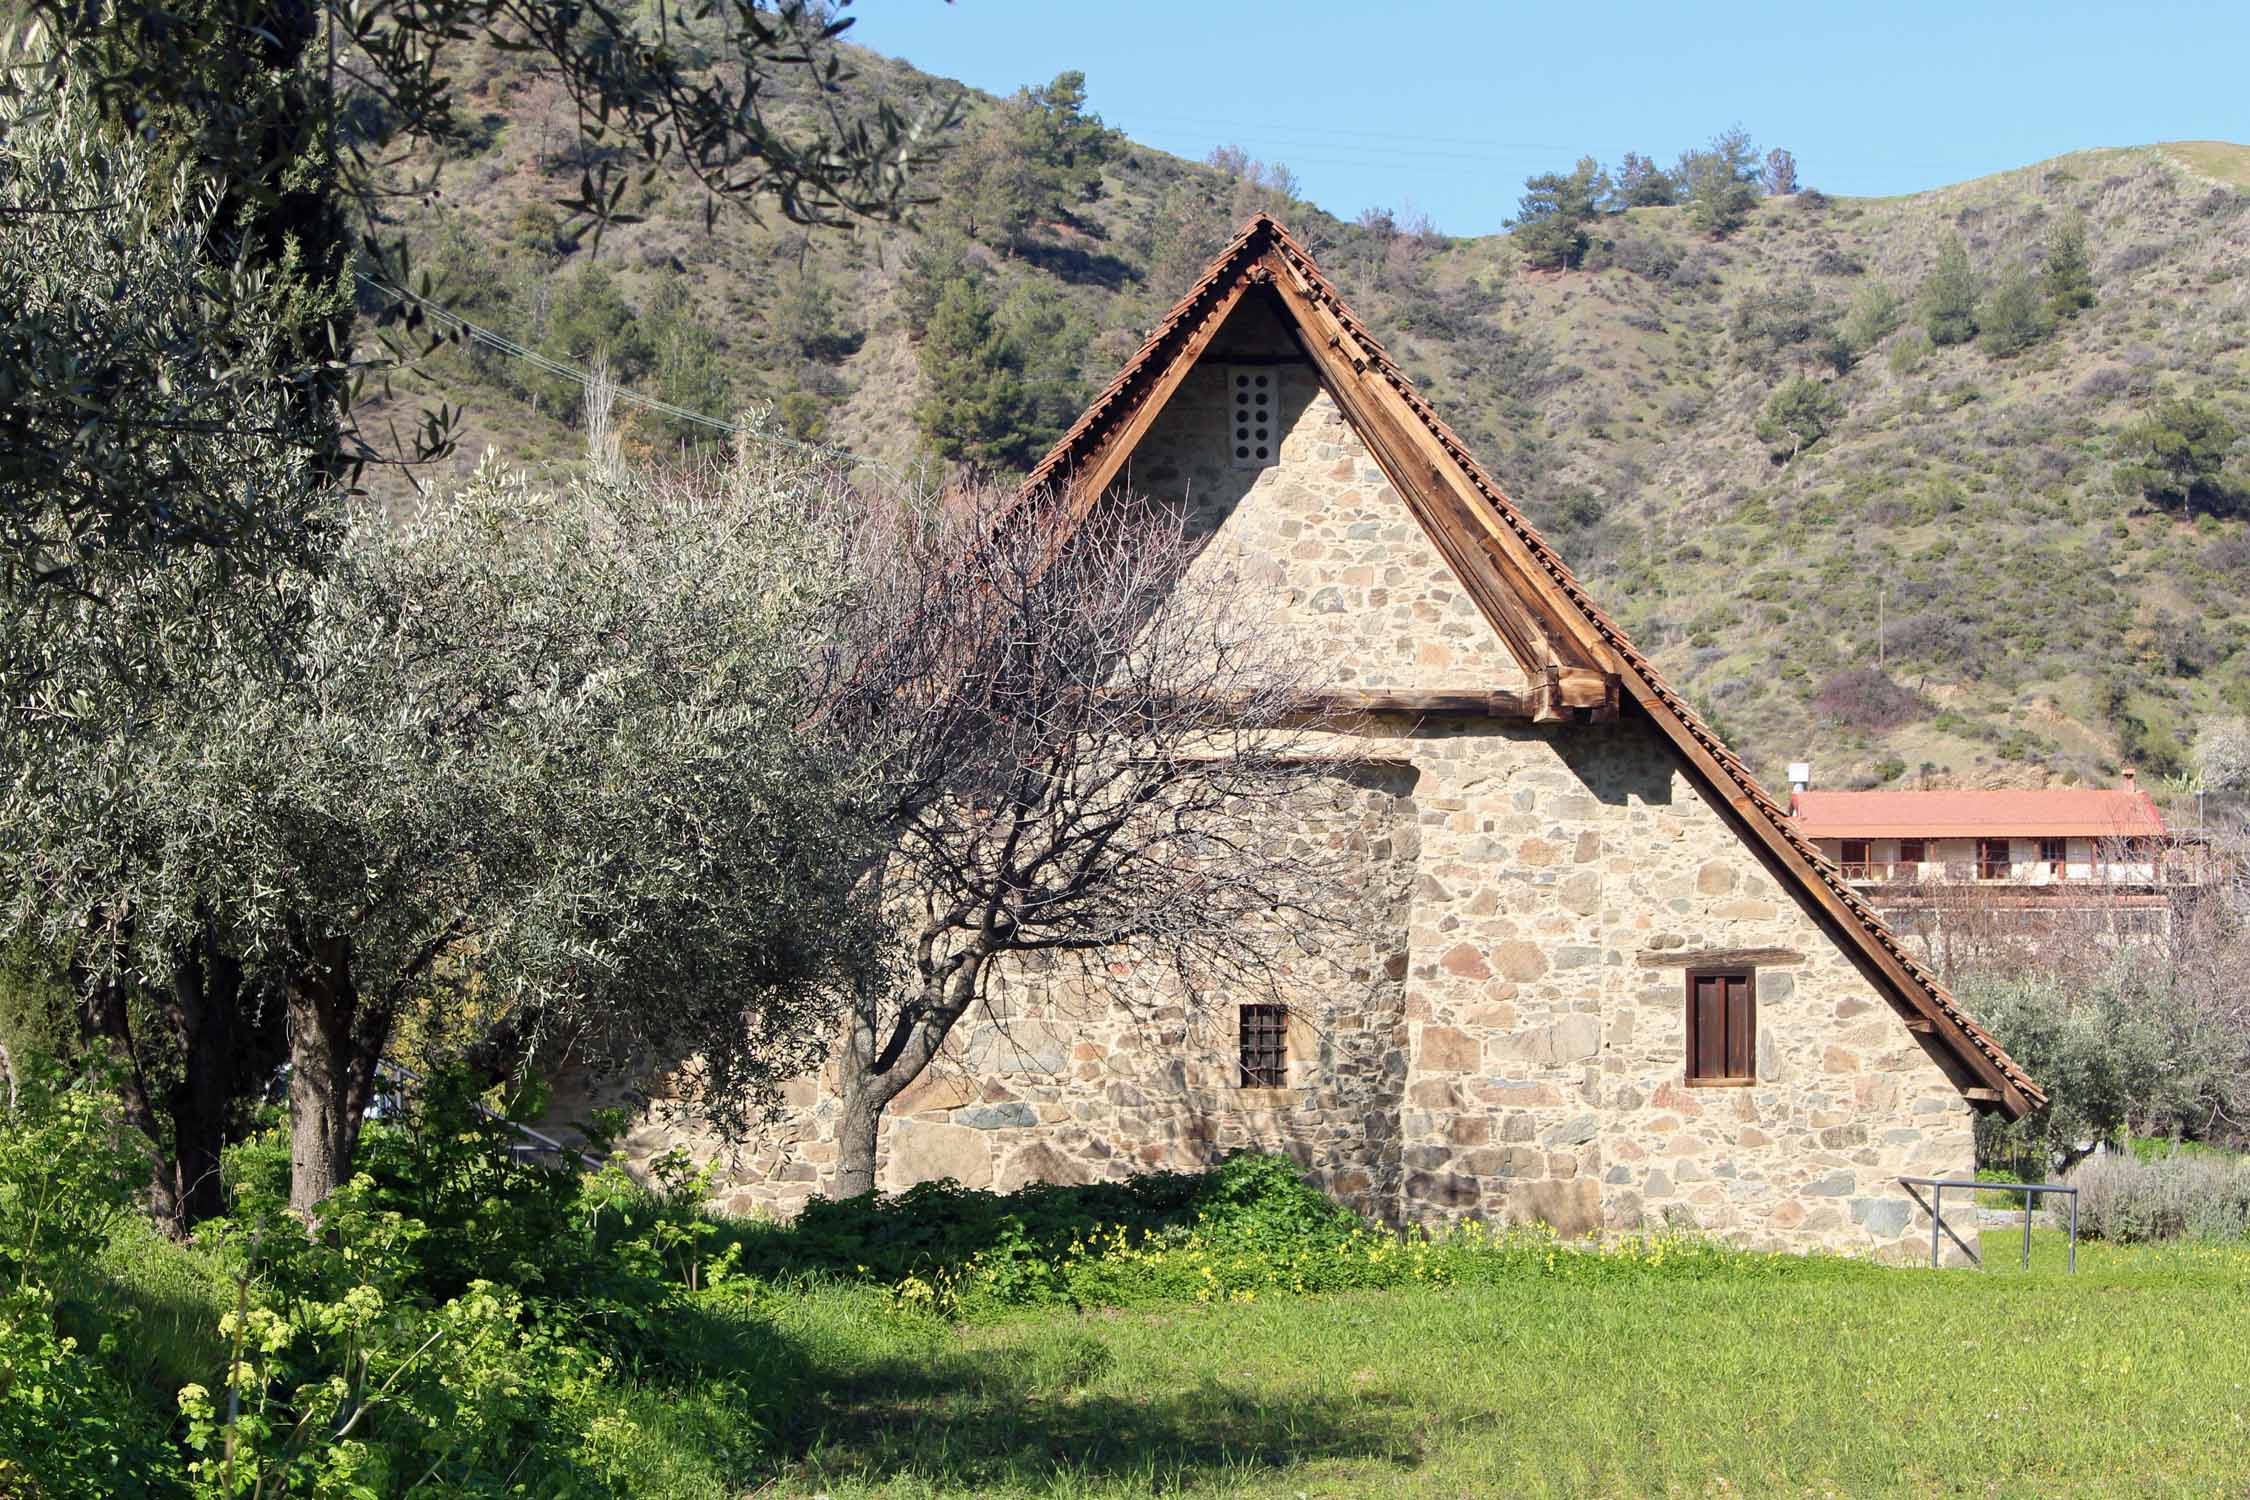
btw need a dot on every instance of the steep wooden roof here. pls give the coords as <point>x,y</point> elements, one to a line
<point>1582,664</point>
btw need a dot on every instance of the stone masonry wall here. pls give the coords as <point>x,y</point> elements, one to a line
<point>1506,1037</point>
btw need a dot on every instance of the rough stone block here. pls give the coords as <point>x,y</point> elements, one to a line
<point>1441,1190</point>
<point>1575,1131</point>
<point>935,1091</point>
<point>997,1116</point>
<point>1469,1130</point>
<point>1571,1039</point>
<point>1573,1208</point>
<point>1464,960</point>
<point>1039,1162</point>
<point>1881,1216</point>
<point>1520,961</point>
<point>1446,1049</point>
<point>925,1150</point>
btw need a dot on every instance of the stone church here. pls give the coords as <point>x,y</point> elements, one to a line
<point>1616,986</point>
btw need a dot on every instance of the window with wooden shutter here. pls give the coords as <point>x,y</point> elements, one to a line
<point>1854,859</point>
<point>1265,1046</point>
<point>1993,856</point>
<point>1722,1027</point>
<point>2055,855</point>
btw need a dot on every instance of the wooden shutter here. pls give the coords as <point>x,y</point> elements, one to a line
<point>1722,1026</point>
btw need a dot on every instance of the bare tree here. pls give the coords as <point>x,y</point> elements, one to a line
<point>1084,745</point>
<point>1780,174</point>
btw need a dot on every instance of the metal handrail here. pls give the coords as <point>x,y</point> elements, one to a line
<point>1935,1202</point>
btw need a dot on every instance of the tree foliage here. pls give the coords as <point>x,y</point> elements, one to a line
<point>1030,160</point>
<point>976,408</point>
<point>288,123</point>
<point>1949,296</point>
<point>2067,277</point>
<point>1721,182</point>
<point>2133,1047</point>
<point>1797,416</point>
<point>2013,317</point>
<point>1551,217</point>
<point>2175,457</point>
<point>525,760</point>
<point>146,388</point>
<point>1641,183</point>
<point>1872,317</point>
<point>1778,175</point>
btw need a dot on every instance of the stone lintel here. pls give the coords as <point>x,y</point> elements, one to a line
<point>1718,958</point>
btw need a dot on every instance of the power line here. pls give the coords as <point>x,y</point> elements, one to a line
<point>492,339</point>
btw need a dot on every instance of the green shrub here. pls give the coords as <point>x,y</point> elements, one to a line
<point>2125,1198</point>
<point>1799,415</point>
<point>68,1425</point>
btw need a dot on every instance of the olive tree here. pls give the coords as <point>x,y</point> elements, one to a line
<point>301,122</point>
<point>145,397</point>
<point>1082,753</point>
<point>527,758</point>
<point>2141,1038</point>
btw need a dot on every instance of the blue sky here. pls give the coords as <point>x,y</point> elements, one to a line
<point>1446,107</point>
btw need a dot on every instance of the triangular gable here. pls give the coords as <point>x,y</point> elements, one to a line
<point>1583,666</point>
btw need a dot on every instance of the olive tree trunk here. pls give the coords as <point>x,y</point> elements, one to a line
<point>335,1041</point>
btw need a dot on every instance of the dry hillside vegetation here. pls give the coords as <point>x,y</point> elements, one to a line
<point>1945,584</point>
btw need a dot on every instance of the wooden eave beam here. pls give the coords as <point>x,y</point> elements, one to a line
<point>1092,479</point>
<point>1422,485</point>
<point>1421,703</point>
<point>1571,636</point>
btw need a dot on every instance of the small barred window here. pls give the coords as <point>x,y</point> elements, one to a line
<point>1265,1046</point>
<point>1253,418</point>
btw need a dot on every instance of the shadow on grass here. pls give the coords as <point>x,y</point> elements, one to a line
<point>967,1422</point>
<point>834,1390</point>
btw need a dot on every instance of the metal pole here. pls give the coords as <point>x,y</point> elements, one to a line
<point>2074,1234</point>
<point>1937,1205</point>
<point>2027,1201</point>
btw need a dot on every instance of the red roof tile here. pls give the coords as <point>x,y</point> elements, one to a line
<point>2089,812</point>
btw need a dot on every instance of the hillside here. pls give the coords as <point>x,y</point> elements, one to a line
<point>1946,586</point>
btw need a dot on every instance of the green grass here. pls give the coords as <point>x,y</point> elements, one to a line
<point>2223,161</point>
<point>1701,1375</point>
<point>2131,1378</point>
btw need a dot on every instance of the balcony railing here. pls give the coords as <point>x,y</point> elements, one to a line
<point>2173,871</point>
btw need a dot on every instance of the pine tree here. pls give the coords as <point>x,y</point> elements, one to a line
<point>1780,174</point>
<point>1721,182</point>
<point>2068,278</point>
<point>976,407</point>
<point>1551,216</point>
<point>1949,297</point>
<point>1873,317</point>
<point>2176,456</point>
<point>2013,318</point>
<point>1798,416</point>
<point>1641,183</point>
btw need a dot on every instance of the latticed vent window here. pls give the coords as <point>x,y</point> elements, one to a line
<point>1265,1046</point>
<point>1253,431</point>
